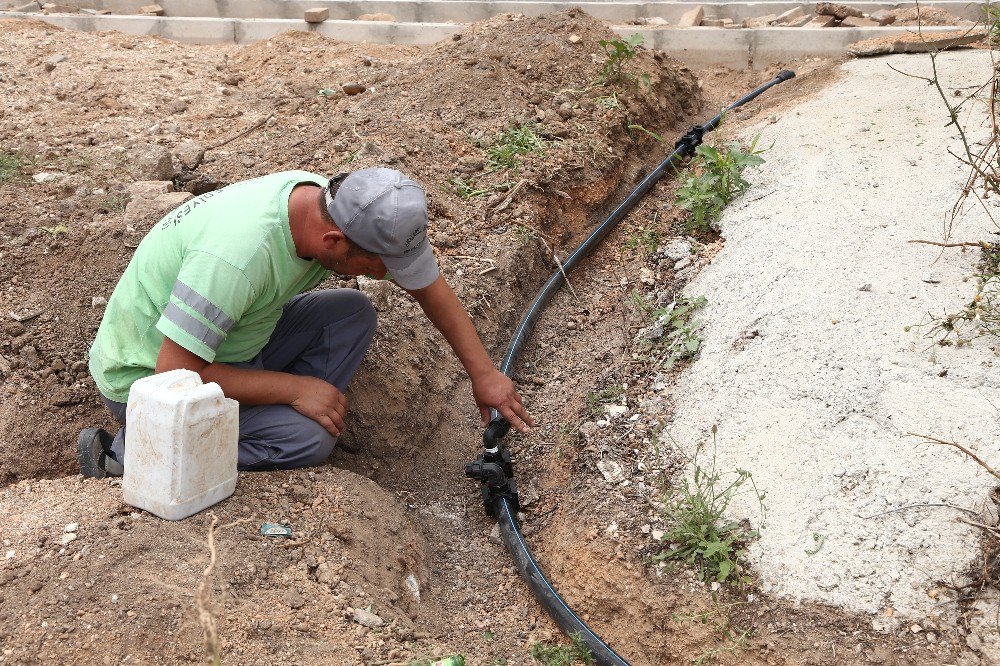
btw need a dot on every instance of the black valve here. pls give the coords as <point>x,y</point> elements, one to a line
<point>496,474</point>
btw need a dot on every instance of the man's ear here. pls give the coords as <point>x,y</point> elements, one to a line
<point>332,238</point>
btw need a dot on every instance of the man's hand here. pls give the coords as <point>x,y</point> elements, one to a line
<point>496,390</point>
<point>322,402</point>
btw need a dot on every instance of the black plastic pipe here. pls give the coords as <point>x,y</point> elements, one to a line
<point>494,469</point>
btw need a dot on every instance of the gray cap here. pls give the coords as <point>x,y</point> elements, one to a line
<point>385,212</point>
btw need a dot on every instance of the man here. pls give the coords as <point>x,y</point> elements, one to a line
<point>217,287</point>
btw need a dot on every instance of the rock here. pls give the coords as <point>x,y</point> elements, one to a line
<point>190,154</point>
<point>588,429</point>
<point>293,599</point>
<point>316,15</point>
<point>50,63</point>
<point>327,574</point>
<point>858,22</point>
<point>495,535</point>
<point>575,39</point>
<point>821,22</point>
<point>67,538</point>
<point>177,106</point>
<point>367,619</point>
<point>799,22</point>
<point>30,8</point>
<point>148,189</point>
<point>53,8</point>
<point>914,43</point>
<point>791,15</point>
<point>615,411</point>
<point>712,23</point>
<point>682,264</point>
<point>70,528</point>
<point>565,110</point>
<point>974,642</point>
<point>379,16</point>
<point>837,10</point>
<point>760,21</point>
<point>412,586</point>
<point>692,17</point>
<point>151,162</point>
<point>98,302</point>
<point>151,10</point>
<point>353,88</point>
<point>29,356</point>
<point>611,470</point>
<point>46,177</point>
<point>883,16</point>
<point>676,250</point>
<point>139,211</point>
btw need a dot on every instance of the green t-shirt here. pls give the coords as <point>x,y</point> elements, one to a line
<point>212,275</point>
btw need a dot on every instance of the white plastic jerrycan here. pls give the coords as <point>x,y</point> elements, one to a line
<point>180,445</point>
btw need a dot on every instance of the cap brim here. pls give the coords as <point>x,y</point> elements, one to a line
<point>416,270</point>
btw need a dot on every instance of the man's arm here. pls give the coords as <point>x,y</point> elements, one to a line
<point>309,396</point>
<point>490,387</point>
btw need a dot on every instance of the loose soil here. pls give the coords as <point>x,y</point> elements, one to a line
<point>391,526</point>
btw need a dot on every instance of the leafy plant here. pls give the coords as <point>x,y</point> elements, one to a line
<point>648,239</point>
<point>10,165</point>
<point>673,334</point>
<point>698,533</point>
<point>608,101</point>
<point>466,188</point>
<point>597,399</point>
<point>714,178</point>
<point>619,52</point>
<point>510,145</point>
<point>563,655</point>
<point>718,618</point>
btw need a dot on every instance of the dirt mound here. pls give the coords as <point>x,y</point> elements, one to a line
<point>84,576</point>
<point>78,103</point>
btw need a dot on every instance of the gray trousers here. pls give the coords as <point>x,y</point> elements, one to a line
<point>322,334</point>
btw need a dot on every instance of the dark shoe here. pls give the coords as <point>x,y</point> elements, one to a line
<point>93,451</point>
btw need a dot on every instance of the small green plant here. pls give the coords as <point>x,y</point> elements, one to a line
<point>510,145</point>
<point>10,165</point>
<point>608,101</point>
<point>980,316</point>
<point>646,240</point>
<point>718,618</point>
<point>113,203</point>
<point>597,399</point>
<point>673,334</point>
<point>713,179</point>
<point>563,655</point>
<point>619,52</point>
<point>991,17</point>
<point>697,532</point>
<point>56,230</point>
<point>466,188</point>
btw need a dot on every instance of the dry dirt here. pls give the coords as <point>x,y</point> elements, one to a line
<point>391,526</point>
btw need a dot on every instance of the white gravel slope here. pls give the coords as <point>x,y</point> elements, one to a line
<point>817,406</point>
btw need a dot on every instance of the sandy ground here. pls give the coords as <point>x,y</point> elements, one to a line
<point>807,367</point>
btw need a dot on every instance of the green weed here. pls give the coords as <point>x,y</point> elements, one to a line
<point>608,101</point>
<point>713,179</point>
<point>510,145</point>
<point>673,334</point>
<point>597,399</point>
<point>647,240</point>
<point>563,655</point>
<point>980,316</point>
<point>618,52</point>
<point>113,203</point>
<point>991,17</point>
<point>466,188</point>
<point>697,533</point>
<point>717,617</point>
<point>10,165</point>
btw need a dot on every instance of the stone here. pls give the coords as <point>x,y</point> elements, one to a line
<point>190,154</point>
<point>293,599</point>
<point>53,8</point>
<point>791,15</point>
<point>71,527</point>
<point>914,43</point>
<point>353,88</point>
<point>760,21</point>
<point>327,574</point>
<point>148,189</point>
<point>495,535</point>
<point>316,15</point>
<point>615,411</point>
<point>610,470</point>
<point>151,10</point>
<point>575,39</point>
<point>858,22</point>
<point>151,162</point>
<point>883,16</point>
<point>98,302</point>
<point>45,177</point>
<point>30,8</point>
<point>677,249</point>
<point>368,619</point>
<point>657,20</point>
<point>801,21</point>
<point>378,16</point>
<point>177,106</point>
<point>712,23</point>
<point>141,210</point>
<point>29,356</point>
<point>67,538</point>
<point>822,21</point>
<point>691,18</point>
<point>837,10</point>
<point>565,110</point>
